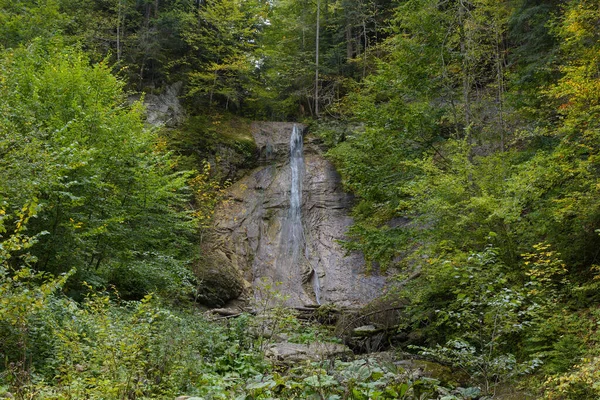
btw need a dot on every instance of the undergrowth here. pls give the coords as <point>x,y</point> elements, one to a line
<point>103,347</point>
<point>107,348</point>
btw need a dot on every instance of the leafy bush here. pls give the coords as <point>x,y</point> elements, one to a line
<point>362,379</point>
<point>108,193</point>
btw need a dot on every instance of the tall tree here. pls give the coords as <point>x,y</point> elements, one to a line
<point>317,33</point>
<point>345,30</point>
<point>222,36</point>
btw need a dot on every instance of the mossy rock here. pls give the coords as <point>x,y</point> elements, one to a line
<point>224,140</point>
<point>430,369</point>
<point>220,280</point>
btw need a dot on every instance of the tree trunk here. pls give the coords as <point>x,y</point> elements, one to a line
<point>349,51</point>
<point>317,60</point>
<point>500,76</point>
<point>465,64</point>
<point>119,31</point>
<point>364,74</point>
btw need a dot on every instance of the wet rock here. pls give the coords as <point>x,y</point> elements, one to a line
<point>248,229</point>
<point>273,140</point>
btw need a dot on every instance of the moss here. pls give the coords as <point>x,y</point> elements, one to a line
<point>225,140</point>
<point>437,371</point>
<point>232,129</point>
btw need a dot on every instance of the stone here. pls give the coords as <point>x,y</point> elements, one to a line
<point>433,370</point>
<point>290,353</point>
<point>273,140</point>
<point>165,109</point>
<point>226,312</point>
<point>366,330</point>
<point>220,280</point>
<point>267,333</point>
<point>248,231</point>
<point>188,398</point>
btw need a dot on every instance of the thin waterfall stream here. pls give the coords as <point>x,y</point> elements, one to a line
<point>293,269</point>
<point>297,172</point>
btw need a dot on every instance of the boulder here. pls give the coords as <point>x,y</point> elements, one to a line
<point>434,370</point>
<point>366,331</point>
<point>164,109</point>
<point>220,280</point>
<point>291,353</point>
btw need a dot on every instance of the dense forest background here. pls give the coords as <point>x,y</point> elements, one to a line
<point>469,131</point>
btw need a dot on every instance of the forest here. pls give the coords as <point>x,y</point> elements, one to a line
<point>468,132</point>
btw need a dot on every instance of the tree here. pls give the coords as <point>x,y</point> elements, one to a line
<point>111,205</point>
<point>24,20</point>
<point>222,36</point>
<point>317,58</point>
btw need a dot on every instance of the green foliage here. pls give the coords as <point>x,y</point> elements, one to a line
<point>142,37</point>
<point>361,380</point>
<point>222,35</point>
<point>139,350</point>
<point>468,131</point>
<point>474,142</point>
<point>221,139</point>
<point>108,196</point>
<point>104,348</point>
<point>349,32</point>
<point>25,20</point>
<point>55,348</point>
<point>479,317</point>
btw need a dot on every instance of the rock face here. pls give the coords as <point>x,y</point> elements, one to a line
<point>164,109</point>
<point>249,224</point>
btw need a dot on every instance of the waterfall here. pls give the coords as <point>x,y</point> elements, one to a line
<point>282,230</point>
<point>297,169</point>
<point>293,243</point>
<point>292,267</point>
<point>295,213</point>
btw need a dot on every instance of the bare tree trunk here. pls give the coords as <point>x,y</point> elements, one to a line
<point>464,50</point>
<point>212,89</point>
<point>317,60</point>
<point>349,51</point>
<point>465,63</point>
<point>500,73</point>
<point>119,31</point>
<point>304,27</point>
<point>366,47</point>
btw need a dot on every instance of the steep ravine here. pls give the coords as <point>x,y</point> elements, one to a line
<point>249,250</point>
